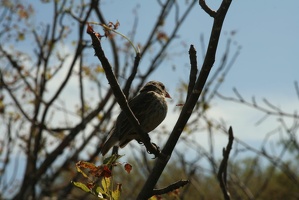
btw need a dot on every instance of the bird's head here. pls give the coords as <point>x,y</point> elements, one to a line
<point>157,87</point>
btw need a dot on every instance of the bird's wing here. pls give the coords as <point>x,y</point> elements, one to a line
<point>139,106</point>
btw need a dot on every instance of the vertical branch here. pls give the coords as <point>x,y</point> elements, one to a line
<point>296,88</point>
<point>132,76</point>
<point>222,173</point>
<point>81,89</point>
<point>193,71</point>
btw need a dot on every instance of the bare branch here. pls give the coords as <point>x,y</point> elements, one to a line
<point>276,111</point>
<point>193,71</point>
<point>222,176</point>
<point>119,95</point>
<point>297,88</point>
<point>206,8</point>
<point>132,76</point>
<point>189,105</point>
<point>171,187</point>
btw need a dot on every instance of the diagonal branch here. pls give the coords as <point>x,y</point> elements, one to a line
<point>170,188</point>
<point>118,93</point>
<point>160,164</point>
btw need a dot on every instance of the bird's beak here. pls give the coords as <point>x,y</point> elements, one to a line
<point>167,95</point>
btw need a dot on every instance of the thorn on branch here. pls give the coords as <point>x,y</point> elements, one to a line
<point>222,173</point>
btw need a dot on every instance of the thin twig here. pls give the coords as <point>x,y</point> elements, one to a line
<point>133,74</point>
<point>222,173</point>
<point>296,88</point>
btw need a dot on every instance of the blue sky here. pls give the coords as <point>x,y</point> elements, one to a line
<point>267,66</point>
<point>266,30</point>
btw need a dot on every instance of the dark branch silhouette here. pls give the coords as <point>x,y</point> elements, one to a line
<point>222,173</point>
<point>186,112</point>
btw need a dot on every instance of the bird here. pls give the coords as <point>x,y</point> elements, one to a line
<point>149,107</point>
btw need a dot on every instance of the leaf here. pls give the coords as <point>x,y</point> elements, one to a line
<point>100,117</point>
<point>106,172</point>
<point>80,171</point>
<point>116,192</point>
<point>2,107</point>
<point>162,36</point>
<point>111,160</point>
<point>100,192</point>
<point>106,183</point>
<point>82,186</point>
<point>99,69</point>
<point>128,167</point>
<point>85,165</point>
<point>153,198</point>
<point>100,195</point>
<point>21,36</point>
<point>86,70</point>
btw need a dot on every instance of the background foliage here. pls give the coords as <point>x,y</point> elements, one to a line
<point>56,106</point>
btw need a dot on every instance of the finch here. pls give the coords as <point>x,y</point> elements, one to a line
<point>149,107</point>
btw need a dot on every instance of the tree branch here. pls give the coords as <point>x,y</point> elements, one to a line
<point>222,173</point>
<point>206,8</point>
<point>193,71</point>
<point>170,188</point>
<point>160,164</point>
<point>118,93</point>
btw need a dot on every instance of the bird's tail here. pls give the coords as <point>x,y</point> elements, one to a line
<point>112,141</point>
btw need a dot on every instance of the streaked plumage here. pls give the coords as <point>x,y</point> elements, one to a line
<point>149,107</point>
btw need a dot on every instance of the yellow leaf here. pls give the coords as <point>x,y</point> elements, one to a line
<point>21,36</point>
<point>82,186</point>
<point>116,192</point>
<point>100,117</point>
<point>106,182</point>
<point>86,70</point>
<point>99,69</point>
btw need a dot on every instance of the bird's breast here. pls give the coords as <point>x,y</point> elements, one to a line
<point>157,111</point>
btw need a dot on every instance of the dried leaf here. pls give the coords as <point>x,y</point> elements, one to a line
<point>128,167</point>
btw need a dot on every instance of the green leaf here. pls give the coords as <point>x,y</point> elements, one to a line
<point>112,159</point>
<point>80,171</point>
<point>106,183</point>
<point>116,192</point>
<point>82,186</point>
<point>100,192</point>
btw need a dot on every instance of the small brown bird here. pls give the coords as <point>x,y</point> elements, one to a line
<point>149,107</point>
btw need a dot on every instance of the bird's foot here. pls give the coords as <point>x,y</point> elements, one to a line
<point>157,151</point>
